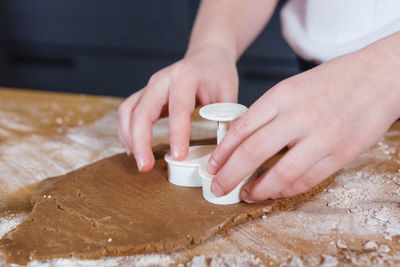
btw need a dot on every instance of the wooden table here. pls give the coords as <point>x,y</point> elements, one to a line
<point>355,220</point>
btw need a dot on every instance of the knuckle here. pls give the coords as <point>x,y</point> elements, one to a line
<point>204,99</point>
<point>179,112</point>
<point>205,87</point>
<point>343,153</point>
<point>279,90</point>
<point>177,135</point>
<point>123,108</point>
<point>155,77</point>
<point>295,119</point>
<point>258,194</point>
<point>227,95</point>
<point>288,192</point>
<point>181,109</point>
<point>304,114</point>
<point>182,68</point>
<point>286,172</point>
<point>216,158</point>
<point>136,139</point>
<point>137,115</point>
<point>271,100</point>
<point>239,128</point>
<point>350,148</point>
<point>310,181</point>
<point>123,133</point>
<point>299,188</point>
<point>285,92</point>
<point>325,168</point>
<point>301,119</point>
<point>250,151</point>
<point>227,83</point>
<point>309,114</point>
<point>323,142</point>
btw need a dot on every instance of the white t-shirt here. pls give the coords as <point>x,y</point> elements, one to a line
<point>319,30</point>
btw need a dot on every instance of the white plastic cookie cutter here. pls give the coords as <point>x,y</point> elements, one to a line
<point>191,172</point>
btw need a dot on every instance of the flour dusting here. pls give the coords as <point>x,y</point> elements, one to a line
<point>139,261</point>
<point>45,157</point>
<point>10,222</point>
<point>354,221</point>
<point>233,259</point>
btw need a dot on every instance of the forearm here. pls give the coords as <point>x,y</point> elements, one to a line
<point>230,24</point>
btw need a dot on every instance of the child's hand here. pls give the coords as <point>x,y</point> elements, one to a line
<point>326,116</point>
<point>206,73</point>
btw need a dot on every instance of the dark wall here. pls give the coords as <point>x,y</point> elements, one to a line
<point>113,47</point>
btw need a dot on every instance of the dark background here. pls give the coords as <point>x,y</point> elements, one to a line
<point>113,47</point>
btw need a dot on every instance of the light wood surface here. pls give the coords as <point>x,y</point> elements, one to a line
<point>45,134</point>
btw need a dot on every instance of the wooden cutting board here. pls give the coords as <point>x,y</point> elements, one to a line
<point>356,220</point>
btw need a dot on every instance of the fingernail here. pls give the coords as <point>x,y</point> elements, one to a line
<point>176,151</point>
<point>216,189</point>
<point>139,162</point>
<point>212,167</point>
<point>246,195</point>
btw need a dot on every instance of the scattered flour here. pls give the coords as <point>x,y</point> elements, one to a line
<point>10,222</point>
<point>371,245</point>
<point>45,157</point>
<point>341,244</point>
<point>383,249</point>
<point>242,259</point>
<point>139,261</point>
<point>329,261</point>
<point>362,201</point>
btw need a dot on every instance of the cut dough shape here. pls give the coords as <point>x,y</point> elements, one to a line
<point>108,208</point>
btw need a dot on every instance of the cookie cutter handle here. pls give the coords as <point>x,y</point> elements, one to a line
<point>223,128</point>
<point>223,113</point>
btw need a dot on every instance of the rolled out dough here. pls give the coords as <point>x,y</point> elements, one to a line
<point>108,208</point>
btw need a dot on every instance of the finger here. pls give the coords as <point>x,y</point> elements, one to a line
<point>256,117</point>
<point>124,145</point>
<point>291,166</point>
<point>182,100</point>
<point>124,115</point>
<point>164,111</point>
<point>249,155</point>
<point>204,94</point>
<point>146,112</point>
<point>319,172</point>
<point>227,91</point>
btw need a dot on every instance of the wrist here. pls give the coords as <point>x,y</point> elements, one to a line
<point>219,38</point>
<point>220,48</point>
<point>382,70</point>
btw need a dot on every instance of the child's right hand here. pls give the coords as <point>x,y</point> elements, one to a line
<point>207,73</point>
